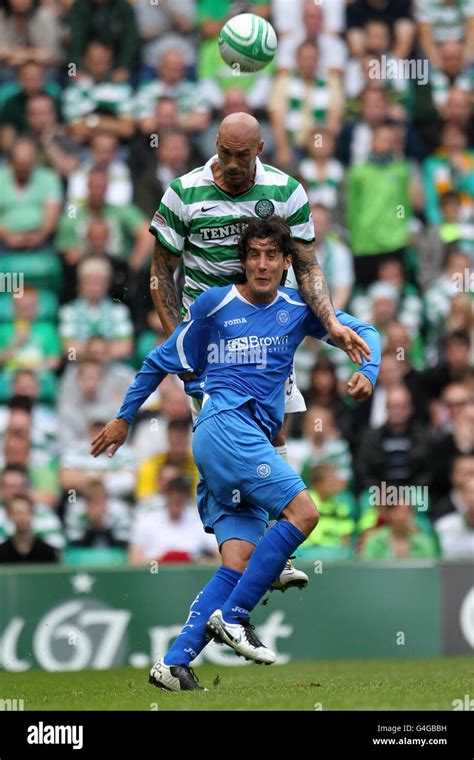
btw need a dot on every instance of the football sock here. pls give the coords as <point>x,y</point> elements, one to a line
<point>270,554</point>
<point>191,640</point>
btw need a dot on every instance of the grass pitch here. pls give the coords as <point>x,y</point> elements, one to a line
<point>430,684</point>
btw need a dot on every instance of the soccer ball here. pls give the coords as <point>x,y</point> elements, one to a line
<point>247,42</point>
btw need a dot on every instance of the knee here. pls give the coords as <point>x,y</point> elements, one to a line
<point>236,554</point>
<point>310,518</point>
<point>302,512</point>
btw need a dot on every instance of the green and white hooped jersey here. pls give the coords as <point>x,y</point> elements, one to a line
<point>201,222</point>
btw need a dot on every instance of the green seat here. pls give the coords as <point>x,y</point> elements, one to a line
<point>80,556</point>
<point>47,306</point>
<point>47,386</point>
<point>41,268</point>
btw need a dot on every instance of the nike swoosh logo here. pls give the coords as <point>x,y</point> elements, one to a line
<point>207,209</point>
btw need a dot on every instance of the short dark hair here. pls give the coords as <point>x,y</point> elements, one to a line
<point>274,228</point>
<point>179,485</point>
<point>179,426</point>
<point>20,497</point>
<point>21,402</point>
<point>458,336</point>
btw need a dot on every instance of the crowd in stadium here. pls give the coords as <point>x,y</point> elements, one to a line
<point>103,103</point>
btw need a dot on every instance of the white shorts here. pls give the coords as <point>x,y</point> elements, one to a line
<point>294,401</point>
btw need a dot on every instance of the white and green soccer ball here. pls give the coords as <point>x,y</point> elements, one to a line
<point>247,42</point>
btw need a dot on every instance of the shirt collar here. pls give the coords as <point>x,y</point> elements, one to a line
<point>207,175</point>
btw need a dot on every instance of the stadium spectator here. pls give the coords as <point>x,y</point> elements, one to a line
<point>111,23</point>
<point>456,530</point>
<point>23,545</point>
<point>453,367</point>
<point>97,521</point>
<point>439,297</point>
<point>322,444</point>
<point>462,471</point>
<point>300,102</point>
<point>31,81</point>
<point>97,101</point>
<point>338,513</point>
<point>453,436</point>
<point>29,31</point>
<point>171,82</point>
<point>167,26</point>
<point>177,452</point>
<point>452,168</point>
<point>78,469</point>
<point>299,20</point>
<point>56,149</point>
<point>25,393</point>
<point>399,538</point>
<point>453,72</point>
<point>171,534</point>
<point>170,160</point>
<point>103,153</point>
<point>169,403</point>
<point>27,341</point>
<point>396,452</point>
<point>98,385</point>
<point>454,228</point>
<point>397,15</point>
<point>46,523</point>
<point>441,21</point>
<point>93,313</point>
<point>321,173</point>
<point>30,201</point>
<point>129,241</point>
<point>379,227</point>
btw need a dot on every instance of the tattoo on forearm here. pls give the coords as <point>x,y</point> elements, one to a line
<point>163,289</point>
<point>312,282</point>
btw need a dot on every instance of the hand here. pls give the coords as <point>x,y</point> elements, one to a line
<point>113,434</point>
<point>343,337</point>
<point>34,238</point>
<point>359,387</point>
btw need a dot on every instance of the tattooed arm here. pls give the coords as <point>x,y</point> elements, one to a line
<point>314,289</point>
<point>163,290</point>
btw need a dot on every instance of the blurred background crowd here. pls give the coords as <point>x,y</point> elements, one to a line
<point>102,104</point>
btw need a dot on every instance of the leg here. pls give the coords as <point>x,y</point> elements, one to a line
<point>300,517</point>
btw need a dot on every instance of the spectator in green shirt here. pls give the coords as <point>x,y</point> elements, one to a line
<point>379,205</point>
<point>25,342</point>
<point>128,238</point>
<point>30,199</point>
<point>399,538</point>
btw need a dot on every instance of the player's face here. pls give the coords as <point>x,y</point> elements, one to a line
<point>264,266</point>
<point>237,160</point>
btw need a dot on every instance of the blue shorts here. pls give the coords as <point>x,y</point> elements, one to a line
<point>242,476</point>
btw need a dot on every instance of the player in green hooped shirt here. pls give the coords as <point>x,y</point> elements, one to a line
<point>199,219</point>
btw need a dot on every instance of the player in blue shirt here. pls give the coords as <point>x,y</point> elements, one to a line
<point>239,341</point>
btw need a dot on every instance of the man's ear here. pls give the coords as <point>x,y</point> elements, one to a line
<point>260,148</point>
<point>287,262</point>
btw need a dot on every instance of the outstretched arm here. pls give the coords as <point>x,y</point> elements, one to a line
<point>314,289</point>
<point>180,353</point>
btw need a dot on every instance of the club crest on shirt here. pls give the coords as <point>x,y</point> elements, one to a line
<point>263,470</point>
<point>264,208</point>
<point>159,219</point>
<point>282,317</point>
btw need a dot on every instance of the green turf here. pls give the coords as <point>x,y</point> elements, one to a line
<point>430,684</point>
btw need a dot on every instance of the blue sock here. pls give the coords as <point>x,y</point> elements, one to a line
<point>265,564</point>
<point>190,641</point>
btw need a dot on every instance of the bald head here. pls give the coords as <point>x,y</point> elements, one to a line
<point>238,143</point>
<point>240,127</point>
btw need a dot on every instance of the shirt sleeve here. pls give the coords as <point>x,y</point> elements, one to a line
<point>298,214</point>
<point>184,351</point>
<point>369,368</point>
<point>169,222</point>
